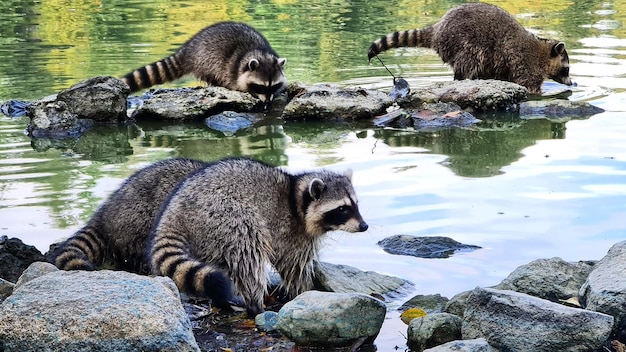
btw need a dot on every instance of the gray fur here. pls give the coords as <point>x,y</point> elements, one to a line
<point>482,41</point>
<point>227,54</point>
<point>118,232</point>
<point>238,215</point>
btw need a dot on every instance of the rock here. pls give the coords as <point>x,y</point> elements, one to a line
<point>423,247</point>
<point>512,321</point>
<point>6,289</point>
<point>95,311</point>
<point>427,116</point>
<point>34,271</point>
<point>429,303</point>
<point>552,279</point>
<point>15,257</point>
<point>266,321</point>
<point>480,95</point>
<point>346,279</point>
<point>53,119</point>
<point>475,345</point>
<point>327,319</point>
<point>456,305</point>
<point>100,99</point>
<point>560,109</point>
<point>327,102</point>
<point>605,288</point>
<point>230,122</point>
<point>14,108</point>
<point>433,330</point>
<point>193,103</point>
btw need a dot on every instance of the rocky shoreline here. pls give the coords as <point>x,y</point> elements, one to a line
<point>545,305</point>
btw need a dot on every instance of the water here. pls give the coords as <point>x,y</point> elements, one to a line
<point>522,190</point>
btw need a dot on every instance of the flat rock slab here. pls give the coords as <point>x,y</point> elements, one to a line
<point>423,247</point>
<point>329,102</point>
<point>558,109</point>
<point>192,103</point>
<point>479,95</point>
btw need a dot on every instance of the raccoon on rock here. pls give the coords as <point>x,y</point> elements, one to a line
<point>227,54</point>
<point>238,215</point>
<point>482,41</point>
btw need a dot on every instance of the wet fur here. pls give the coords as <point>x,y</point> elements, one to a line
<point>482,41</point>
<point>239,215</point>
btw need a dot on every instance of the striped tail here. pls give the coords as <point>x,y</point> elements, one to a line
<point>159,72</point>
<point>170,257</point>
<point>411,38</point>
<point>81,251</point>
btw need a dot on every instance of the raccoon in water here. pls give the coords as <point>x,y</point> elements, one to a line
<point>482,41</point>
<point>227,54</point>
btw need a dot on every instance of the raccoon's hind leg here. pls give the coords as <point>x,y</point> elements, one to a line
<point>81,251</point>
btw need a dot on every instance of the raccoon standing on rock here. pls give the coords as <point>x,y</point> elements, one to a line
<point>238,215</point>
<point>482,41</point>
<point>227,54</point>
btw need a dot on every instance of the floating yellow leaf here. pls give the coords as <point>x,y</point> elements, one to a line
<point>411,314</point>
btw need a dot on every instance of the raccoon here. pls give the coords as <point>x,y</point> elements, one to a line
<point>227,54</point>
<point>238,215</point>
<point>482,41</point>
<point>118,232</point>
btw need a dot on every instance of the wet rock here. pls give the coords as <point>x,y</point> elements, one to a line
<point>14,108</point>
<point>605,288</point>
<point>428,303</point>
<point>96,311</point>
<point>100,99</point>
<point>475,345</point>
<point>512,321</point>
<point>15,257</point>
<point>552,279</point>
<point>346,279</point>
<point>480,95</point>
<point>266,321</point>
<point>560,109</point>
<point>230,122</point>
<point>52,119</point>
<point>456,305</point>
<point>193,103</point>
<point>423,247</point>
<point>327,102</point>
<point>433,330</point>
<point>428,116</point>
<point>6,289</point>
<point>35,270</point>
<point>327,319</point>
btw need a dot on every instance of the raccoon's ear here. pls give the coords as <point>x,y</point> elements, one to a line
<point>348,174</point>
<point>558,49</point>
<point>253,64</point>
<point>316,187</point>
<point>282,61</point>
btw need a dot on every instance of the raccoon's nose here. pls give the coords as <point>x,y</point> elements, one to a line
<point>363,227</point>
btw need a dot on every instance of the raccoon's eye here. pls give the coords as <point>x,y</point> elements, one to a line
<point>344,209</point>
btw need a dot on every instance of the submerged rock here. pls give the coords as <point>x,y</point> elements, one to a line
<point>423,247</point>
<point>557,109</point>
<point>230,122</point>
<point>96,311</point>
<point>328,102</point>
<point>345,279</point>
<point>327,319</point>
<point>512,321</point>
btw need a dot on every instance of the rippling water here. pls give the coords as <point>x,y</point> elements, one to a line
<point>521,189</point>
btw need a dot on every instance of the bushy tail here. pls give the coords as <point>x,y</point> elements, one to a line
<point>80,252</point>
<point>169,256</point>
<point>162,71</point>
<point>411,38</point>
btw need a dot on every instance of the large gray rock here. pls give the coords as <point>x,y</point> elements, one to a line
<point>328,319</point>
<point>553,279</point>
<point>480,95</point>
<point>193,103</point>
<point>95,311</point>
<point>605,288</point>
<point>475,345</point>
<point>433,330</point>
<point>100,99</point>
<point>512,321</point>
<point>327,102</point>
<point>346,279</point>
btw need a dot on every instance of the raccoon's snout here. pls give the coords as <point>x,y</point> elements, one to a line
<point>363,226</point>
